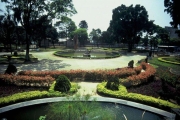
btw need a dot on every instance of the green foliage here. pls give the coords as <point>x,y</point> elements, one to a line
<point>83,24</point>
<point>169,60</point>
<point>162,65</point>
<point>78,107</point>
<point>25,96</point>
<point>113,83</point>
<point>123,94</point>
<point>20,97</point>
<point>168,77</point>
<point>128,24</point>
<point>42,117</point>
<point>62,84</point>
<point>82,35</point>
<point>172,8</point>
<point>11,69</point>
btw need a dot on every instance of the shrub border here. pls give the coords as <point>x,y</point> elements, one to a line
<point>122,93</point>
<point>24,96</point>
<point>161,59</point>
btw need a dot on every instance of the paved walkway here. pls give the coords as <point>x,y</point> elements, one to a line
<point>47,61</point>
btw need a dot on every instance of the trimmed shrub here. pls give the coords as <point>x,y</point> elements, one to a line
<point>62,84</point>
<point>113,83</point>
<point>15,53</point>
<point>11,69</point>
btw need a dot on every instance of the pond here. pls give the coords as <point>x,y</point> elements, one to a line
<point>86,54</point>
<point>110,110</point>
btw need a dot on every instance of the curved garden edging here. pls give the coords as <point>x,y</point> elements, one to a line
<point>99,57</point>
<point>161,59</point>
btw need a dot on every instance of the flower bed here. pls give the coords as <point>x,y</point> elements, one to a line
<point>142,77</point>
<point>86,75</point>
<point>24,80</point>
<point>132,76</point>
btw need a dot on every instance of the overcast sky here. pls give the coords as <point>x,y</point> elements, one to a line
<point>98,13</point>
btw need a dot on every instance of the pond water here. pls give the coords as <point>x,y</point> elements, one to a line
<point>119,111</point>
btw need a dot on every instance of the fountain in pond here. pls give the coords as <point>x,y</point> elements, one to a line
<point>87,54</point>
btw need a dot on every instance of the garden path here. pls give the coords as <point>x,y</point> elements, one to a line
<point>47,61</point>
<point>88,88</point>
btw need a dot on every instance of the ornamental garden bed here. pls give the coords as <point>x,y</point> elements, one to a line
<point>130,78</point>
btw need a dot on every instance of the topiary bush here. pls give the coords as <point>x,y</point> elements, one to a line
<point>62,84</point>
<point>113,83</point>
<point>11,69</point>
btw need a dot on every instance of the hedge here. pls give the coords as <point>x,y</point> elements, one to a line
<point>24,80</point>
<point>161,59</point>
<point>86,75</point>
<point>123,94</point>
<point>25,96</point>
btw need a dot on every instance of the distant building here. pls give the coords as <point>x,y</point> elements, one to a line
<point>171,32</point>
<point>167,48</point>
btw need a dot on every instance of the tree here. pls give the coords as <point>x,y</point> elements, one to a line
<point>82,35</point>
<point>7,28</point>
<point>67,25</point>
<point>128,23</point>
<point>95,34</point>
<point>165,38</point>
<point>83,24</point>
<point>105,36</point>
<point>52,33</point>
<point>40,26</point>
<point>19,38</point>
<point>172,8</point>
<point>26,11</point>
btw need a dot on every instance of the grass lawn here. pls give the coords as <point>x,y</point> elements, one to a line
<point>163,65</point>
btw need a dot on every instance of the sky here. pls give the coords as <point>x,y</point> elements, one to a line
<point>98,13</point>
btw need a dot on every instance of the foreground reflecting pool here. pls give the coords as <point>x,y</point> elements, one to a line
<point>99,108</point>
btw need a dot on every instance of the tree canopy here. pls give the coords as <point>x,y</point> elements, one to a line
<point>95,35</point>
<point>66,26</point>
<point>172,8</point>
<point>128,23</point>
<point>83,24</point>
<point>82,35</point>
<point>26,11</point>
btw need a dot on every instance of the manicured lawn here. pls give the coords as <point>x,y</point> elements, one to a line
<point>162,65</point>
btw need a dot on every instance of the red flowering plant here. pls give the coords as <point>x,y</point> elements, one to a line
<point>6,79</point>
<point>138,69</point>
<point>22,80</point>
<point>143,77</point>
<point>92,75</point>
